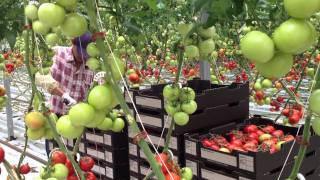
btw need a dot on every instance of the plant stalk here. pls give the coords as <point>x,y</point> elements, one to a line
<point>306,134</point>
<point>118,93</point>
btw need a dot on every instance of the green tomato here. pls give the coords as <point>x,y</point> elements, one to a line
<point>52,39</point>
<point>301,8</point>
<point>92,50</point>
<point>106,124</point>
<point>310,72</point>
<point>67,130</point>
<point>35,134</point>
<point>206,47</point>
<point>118,125</point>
<point>257,47</point>
<point>93,64</point>
<point>60,171</point>
<point>294,36</point>
<point>67,3</point>
<point>192,52</point>
<point>207,33</point>
<point>264,137</point>
<point>171,108</point>
<point>277,67</point>
<point>266,83</point>
<point>51,15</point>
<point>184,29</point>
<point>31,12</point>
<point>186,173</point>
<point>48,134</point>
<point>187,94</point>
<point>171,93</point>
<point>74,25</point>
<point>181,118</point>
<point>98,119</point>
<point>257,86</point>
<point>314,101</point>
<point>40,28</point>
<point>101,97</point>
<point>82,114</point>
<point>316,125</point>
<point>267,100</point>
<point>189,107</point>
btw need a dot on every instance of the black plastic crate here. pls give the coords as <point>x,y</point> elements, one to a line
<point>134,164</point>
<point>194,164</point>
<point>213,172</point>
<point>108,138</point>
<point>118,172</point>
<point>135,176</point>
<point>250,162</point>
<point>207,95</point>
<point>217,105</point>
<point>108,154</point>
<point>176,145</point>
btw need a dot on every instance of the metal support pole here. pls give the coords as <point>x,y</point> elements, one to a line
<point>204,65</point>
<point>204,70</point>
<point>6,82</point>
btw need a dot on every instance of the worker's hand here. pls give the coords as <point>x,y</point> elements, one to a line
<point>68,100</point>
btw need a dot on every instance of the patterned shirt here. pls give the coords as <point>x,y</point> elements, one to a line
<point>75,81</point>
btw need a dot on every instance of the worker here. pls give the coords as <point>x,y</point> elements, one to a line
<point>69,79</point>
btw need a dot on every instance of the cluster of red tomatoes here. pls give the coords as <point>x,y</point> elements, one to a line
<point>62,167</point>
<point>171,170</point>
<point>294,114</point>
<point>252,138</point>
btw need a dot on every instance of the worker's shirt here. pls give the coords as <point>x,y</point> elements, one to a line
<point>75,81</point>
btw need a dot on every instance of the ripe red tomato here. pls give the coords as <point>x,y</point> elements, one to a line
<point>277,133</point>
<point>91,176</point>
<point>259,95</point>
<point>86,163</point>
<point>259,132</point>
<point>250,128</point>
<point>286,112</point>
<point>294,119</point>
<point>134,77</point>
<point>253,135</point>
<point>164,163</point>
<point>249,146</point>
<point>288,138</point>
<point>24,169</point>
<point>2,154</point>
<point>69,166</point>
<point>236,142</point>
<point>174,176</point>
<point>207,143</point>
<point>191,72</point>
<point>58,157</point>
<point>214,147</point>
<point>268,129</point>
<point>72,177</point>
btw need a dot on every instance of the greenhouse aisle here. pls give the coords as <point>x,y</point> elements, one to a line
<point>11,155</point>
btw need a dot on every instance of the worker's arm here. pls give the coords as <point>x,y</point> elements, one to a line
<point>52,86</point>
<point>48,83</point>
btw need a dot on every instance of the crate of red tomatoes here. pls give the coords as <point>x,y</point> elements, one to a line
<point>256,146</point>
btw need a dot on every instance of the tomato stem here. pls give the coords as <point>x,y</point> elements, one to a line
<point>306,133</point>
<point>118,93</point>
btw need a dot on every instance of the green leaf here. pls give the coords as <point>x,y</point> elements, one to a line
<point>152,4</point>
